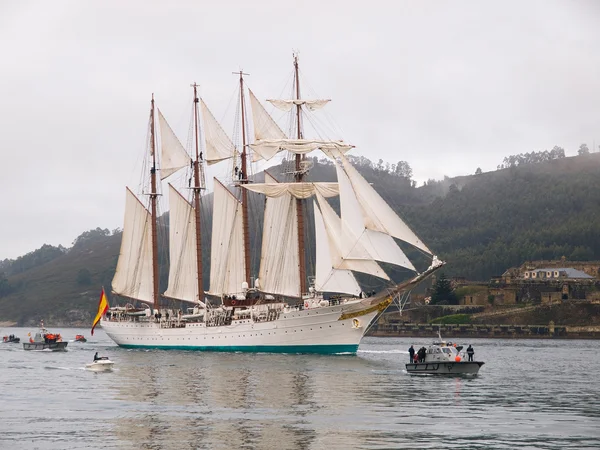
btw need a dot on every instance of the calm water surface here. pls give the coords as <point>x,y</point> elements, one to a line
<point>530,394</point>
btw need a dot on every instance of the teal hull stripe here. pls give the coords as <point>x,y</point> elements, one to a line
<point>319,349</point>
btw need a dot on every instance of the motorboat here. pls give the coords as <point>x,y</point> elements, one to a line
<point>102,364</point>
<point>44,340</point>
<point>11,339</point>
<point>443,358</point>
<point>80,338</point>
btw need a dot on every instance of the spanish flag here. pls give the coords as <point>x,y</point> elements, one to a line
<point>102,308</point>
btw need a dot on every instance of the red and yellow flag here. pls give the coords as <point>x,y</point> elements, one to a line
<point>102,308</point>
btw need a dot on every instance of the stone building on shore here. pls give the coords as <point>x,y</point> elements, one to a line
<point>541,282</point>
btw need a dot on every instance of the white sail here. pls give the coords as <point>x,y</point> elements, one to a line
<point>347,252</point>
<point>183,268</point>
<point>227,263</point>
<point>218,145</point>
<point>377,213</point>
<point>133,276</point>
<point>173,156</point>
<point>297,190</point>
<point>264,125</point>
<point>380,246</point>
<point>267,148</point>
<point>327,278</point>
<point>279,262</point>
<point>287,105</point>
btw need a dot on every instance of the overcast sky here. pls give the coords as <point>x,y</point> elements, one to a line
<point>446,86</point>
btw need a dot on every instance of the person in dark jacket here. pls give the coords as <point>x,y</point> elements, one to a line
<point>96,358</point>
<point>411,353</point>
<point>470,352</point>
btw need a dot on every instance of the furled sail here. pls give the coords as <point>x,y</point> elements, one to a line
<point>279,260</point>
<point>297,190</point>
<point>267,148</point>
<point>218,145</point>
<point>173,156</point>
<point>270,139</point>
<point>287,105</point>
<point>347,252</point>
<point>328,278</point>
<point>133,276</point>
<point>227,263</point>
<point>378,216</point>
<point>183,269</point>
<point>380,246</point>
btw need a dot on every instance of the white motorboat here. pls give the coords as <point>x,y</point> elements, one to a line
<point>100,365</point>
<point>443,358</point>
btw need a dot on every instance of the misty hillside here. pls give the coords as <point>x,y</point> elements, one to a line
<point>480,224</point>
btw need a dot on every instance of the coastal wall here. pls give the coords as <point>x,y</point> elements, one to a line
<point>549,331</point>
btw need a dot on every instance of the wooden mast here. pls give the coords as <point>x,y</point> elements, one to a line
<point>197,189</point>
<point>153,197</point>
<point>244,180</point>
<point>299,175</point>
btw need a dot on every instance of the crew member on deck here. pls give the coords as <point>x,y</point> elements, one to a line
<point>411,353</point>
<point>96,358</point>
<point>470,352</point>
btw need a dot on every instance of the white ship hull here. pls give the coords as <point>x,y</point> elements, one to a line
<point>330,329</point>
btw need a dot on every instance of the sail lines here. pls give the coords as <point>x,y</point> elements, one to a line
<point>133,275</point>
<point>218,145</point>
<point>173,155</point>
<point>183,268</point>
<point>227,264</point>
<point>377,214</point>
<point>327,277</point>
<point>279,260</point>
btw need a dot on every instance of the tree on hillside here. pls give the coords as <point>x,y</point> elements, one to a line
<point>443,294</point>
<point>42,255</point>
<point>583,150</point>
<point>478,171</point>
<point>404,170</point>
<point>532,157</point>
<point>91,235</point>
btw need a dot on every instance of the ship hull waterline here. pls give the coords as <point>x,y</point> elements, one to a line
<point>444,368</point>
<point>53,346</point>
<point>328,330</point>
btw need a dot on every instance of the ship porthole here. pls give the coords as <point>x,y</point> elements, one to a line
<point>356,323</point>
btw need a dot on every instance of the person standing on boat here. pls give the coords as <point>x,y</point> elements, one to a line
<point>411,353</point>
<point>96,357</point>
<point>470,352</point>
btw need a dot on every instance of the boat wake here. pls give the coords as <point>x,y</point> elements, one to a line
<point>59,368</point>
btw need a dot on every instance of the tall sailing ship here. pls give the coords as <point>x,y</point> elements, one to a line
<point>284,308</point>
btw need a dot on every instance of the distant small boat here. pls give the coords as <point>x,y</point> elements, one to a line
<point>44,340</point>
<point>102,364</point>
<point>11,339</point>
<point>80,338</point>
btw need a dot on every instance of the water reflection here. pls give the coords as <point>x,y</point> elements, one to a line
<point>254,400</point>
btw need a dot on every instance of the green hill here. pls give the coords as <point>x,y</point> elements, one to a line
<point>480,224</point>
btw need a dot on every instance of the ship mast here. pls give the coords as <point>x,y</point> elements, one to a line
<point>153,197</point>
<point>244,180</point>
<point>197,190</point>
<point>299,175</point>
